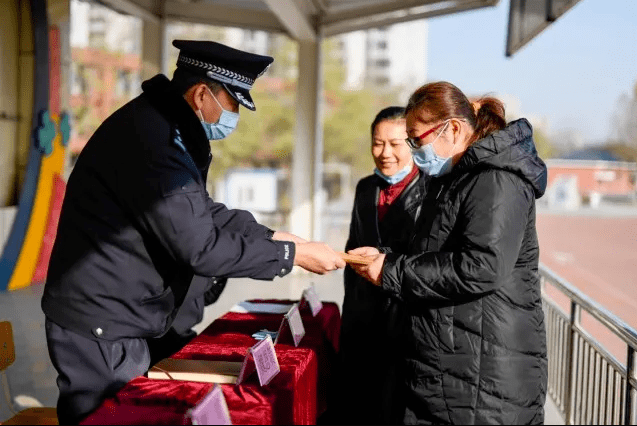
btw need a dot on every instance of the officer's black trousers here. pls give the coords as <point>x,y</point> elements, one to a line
<point>90,371</point>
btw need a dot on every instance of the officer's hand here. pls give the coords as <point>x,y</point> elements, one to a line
<point>318,258</point>
<point>286,236</point>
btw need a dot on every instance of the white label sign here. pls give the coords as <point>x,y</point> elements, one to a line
<point>312,298</point>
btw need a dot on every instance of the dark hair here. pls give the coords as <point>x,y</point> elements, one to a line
<point>389,113</point>
<point>442,100</point>
<point>184,79</point>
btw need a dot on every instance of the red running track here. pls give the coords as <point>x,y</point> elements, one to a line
<point>598,255</point>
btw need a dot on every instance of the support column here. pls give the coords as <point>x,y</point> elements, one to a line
<point>9,108</point>
<point>153,48</point>
<point>305,217</point>
<point>26,92</point>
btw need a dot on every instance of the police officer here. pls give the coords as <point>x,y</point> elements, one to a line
<point>139,237</point>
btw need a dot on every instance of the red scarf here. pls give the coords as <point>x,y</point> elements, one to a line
<point>390,193</point>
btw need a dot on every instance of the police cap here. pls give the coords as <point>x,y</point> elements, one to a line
<point>235,69</point>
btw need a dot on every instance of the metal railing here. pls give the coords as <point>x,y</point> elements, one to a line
<point>586,382</point>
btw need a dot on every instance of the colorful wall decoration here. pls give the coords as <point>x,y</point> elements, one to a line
<point>25,258</point>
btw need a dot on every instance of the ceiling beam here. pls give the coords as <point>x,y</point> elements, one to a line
<point>395,6</point>
<point>206,13</point>
<point>396,17</point>
<point>134,8</point>
<point>339,12</point>
<point>293,19</point>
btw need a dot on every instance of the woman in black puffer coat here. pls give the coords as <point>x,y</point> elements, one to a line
<point>386,207</point>
<point>476,343</point>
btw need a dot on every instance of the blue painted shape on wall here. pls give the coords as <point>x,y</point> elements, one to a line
<point>65,128</point>
<point>45,133</point>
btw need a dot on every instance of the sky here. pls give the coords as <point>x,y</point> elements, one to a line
<point>572,74</point>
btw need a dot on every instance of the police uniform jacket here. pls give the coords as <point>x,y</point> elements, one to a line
<point>137,226</point>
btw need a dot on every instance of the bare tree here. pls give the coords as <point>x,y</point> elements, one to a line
<point>625,119</point>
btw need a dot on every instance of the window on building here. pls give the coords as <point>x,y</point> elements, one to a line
<point>381,81</point>
<point>78,80</point>
<point>246,195</point>
<point>123,84</point>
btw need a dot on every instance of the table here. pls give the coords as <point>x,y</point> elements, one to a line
<point>297,395</point>
<point>322,334</point>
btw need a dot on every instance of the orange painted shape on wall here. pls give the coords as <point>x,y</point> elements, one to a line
<point>57,197</point>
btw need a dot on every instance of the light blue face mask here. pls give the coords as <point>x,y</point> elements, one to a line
<point>396,177</point>
<point>429,162</point>
<point>222,128</point>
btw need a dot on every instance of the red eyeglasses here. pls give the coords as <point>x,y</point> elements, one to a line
<point>414,143</point>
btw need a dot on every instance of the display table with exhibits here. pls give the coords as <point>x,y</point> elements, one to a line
<point>298,394</point>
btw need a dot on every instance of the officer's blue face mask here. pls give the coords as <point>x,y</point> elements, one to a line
<point>429,162</point>
<point>222,128</point>
<point>396,177</point>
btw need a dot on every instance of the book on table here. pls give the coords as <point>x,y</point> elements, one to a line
<point>194,370</point>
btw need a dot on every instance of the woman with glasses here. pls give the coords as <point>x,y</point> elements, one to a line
<point>386,206</point>
<point>475,343</point>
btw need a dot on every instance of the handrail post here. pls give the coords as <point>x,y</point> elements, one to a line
<point>630,374</point>
<point>571,365</point>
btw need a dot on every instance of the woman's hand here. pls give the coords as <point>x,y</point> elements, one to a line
<point>364,251</point>
<point>374,271</point>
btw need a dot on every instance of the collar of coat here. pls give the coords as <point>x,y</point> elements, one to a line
<point>172,105</point>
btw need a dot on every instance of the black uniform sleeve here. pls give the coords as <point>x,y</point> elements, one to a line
<point>176,212</point>
<point>491,224</point>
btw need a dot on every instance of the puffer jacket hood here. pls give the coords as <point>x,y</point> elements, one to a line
<point>511,149</point>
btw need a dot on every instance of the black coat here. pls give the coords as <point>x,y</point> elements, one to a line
<point>476,348</point>
<point>371,318</point>
<point>138,233</point>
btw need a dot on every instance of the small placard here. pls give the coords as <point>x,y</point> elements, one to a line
<point>212,410</point>
<point>312,298</point>
<point>265,360</point>
<point>296,324</point>
<point>247,367</point>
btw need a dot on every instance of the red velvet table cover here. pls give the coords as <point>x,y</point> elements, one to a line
<point>291,398</point>
<point>322,335</point>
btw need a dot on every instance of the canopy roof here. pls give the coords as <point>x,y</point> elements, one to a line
<point>303,20</point>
